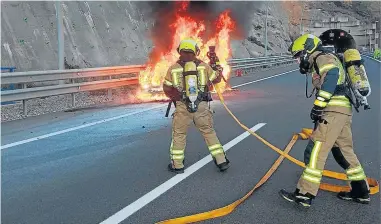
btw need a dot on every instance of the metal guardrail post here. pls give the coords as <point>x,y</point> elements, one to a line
<point>24,106</point>
<point>109,91</point>
<point>72,96</point>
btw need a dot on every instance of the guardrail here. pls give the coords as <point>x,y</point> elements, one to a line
<point>249,63</point>
<point>74,74</point>
<point>53,75</point>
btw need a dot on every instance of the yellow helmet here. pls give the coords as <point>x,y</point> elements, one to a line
<point>188,44</point>
<point>306,43</point>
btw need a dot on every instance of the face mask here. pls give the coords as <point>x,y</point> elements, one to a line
<point>304,64</point>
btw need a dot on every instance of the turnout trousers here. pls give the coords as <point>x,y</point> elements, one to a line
<point>203,120</point>
<point>334,134</point>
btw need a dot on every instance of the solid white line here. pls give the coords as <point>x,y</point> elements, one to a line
<point>161,189</point>
<point>371,58</point>
<point>76,128</point>
<point>270,77</point>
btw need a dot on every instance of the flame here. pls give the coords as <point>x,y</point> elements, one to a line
<point>185,26</point>
<point>149,96</point>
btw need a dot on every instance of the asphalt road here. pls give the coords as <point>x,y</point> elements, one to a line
<point>85,172</point>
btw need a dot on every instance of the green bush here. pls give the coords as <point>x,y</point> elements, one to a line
<point>377,54</point>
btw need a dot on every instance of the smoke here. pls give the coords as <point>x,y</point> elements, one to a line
<point>241,12</point>
<point>164,13</point>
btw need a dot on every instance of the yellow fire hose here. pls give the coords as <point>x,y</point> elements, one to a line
<point>305,134</point>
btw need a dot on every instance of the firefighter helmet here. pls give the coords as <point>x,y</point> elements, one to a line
<point>307,43</point>
<point>302,48</point>
<point>189,45</point>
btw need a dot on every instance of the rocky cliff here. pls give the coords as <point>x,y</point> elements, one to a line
<point>364,11</point>
<point>117,33</point>
<point>95,33</point>
<point>106,34</point>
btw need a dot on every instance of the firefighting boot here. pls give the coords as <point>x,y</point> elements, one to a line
<point>175,170</point>
<point>359,193</point>
<point>304,200</point>
<point>222,166</point>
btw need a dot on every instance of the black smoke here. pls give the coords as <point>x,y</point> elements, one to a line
<point>164,12</point>
<point>241,11</point>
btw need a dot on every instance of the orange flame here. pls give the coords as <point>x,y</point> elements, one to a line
<point>186,26</point>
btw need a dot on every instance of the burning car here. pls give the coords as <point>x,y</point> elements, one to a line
<point>186,25</point>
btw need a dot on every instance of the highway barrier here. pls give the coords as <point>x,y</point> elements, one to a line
<point>305,134</point>
<point>76,85</point>
<point>73,74</point>
<point>259,62</point>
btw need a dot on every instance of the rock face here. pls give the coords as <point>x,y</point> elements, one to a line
<point>364,11</point>
<point>277,30</point>
<point>361,10</point>
<point>95,33</point>
<point>117,33</point>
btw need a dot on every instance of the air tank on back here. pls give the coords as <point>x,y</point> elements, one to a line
<point>344,45</point>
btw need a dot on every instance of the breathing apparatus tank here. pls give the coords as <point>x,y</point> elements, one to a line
<point>345,49</point>
<point>356,71</point>
<point>191,85</point>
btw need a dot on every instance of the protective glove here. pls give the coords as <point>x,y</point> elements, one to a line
<point>316,113</point>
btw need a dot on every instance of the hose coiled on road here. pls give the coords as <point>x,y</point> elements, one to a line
<point>305,134</point>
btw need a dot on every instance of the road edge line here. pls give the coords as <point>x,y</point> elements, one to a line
<point>76,128</point>
<point>372,58</point>
<point>258,80</point>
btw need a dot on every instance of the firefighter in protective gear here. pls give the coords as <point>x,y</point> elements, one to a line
<point>332,115</point>
<point>187,85</point>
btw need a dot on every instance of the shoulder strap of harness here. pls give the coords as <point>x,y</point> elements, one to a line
<point>315,64</point>
<point>182,63</point>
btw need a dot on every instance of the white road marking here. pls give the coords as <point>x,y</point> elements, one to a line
<point>371,58</point>
<point>161,189</point>
<point>76,128</point>
<point>270,77</point>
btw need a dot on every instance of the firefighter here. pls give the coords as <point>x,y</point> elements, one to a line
<point>187,85</point>
<point>332,115</point>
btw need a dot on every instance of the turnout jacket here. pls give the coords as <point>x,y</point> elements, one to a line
<point>329,80</point>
